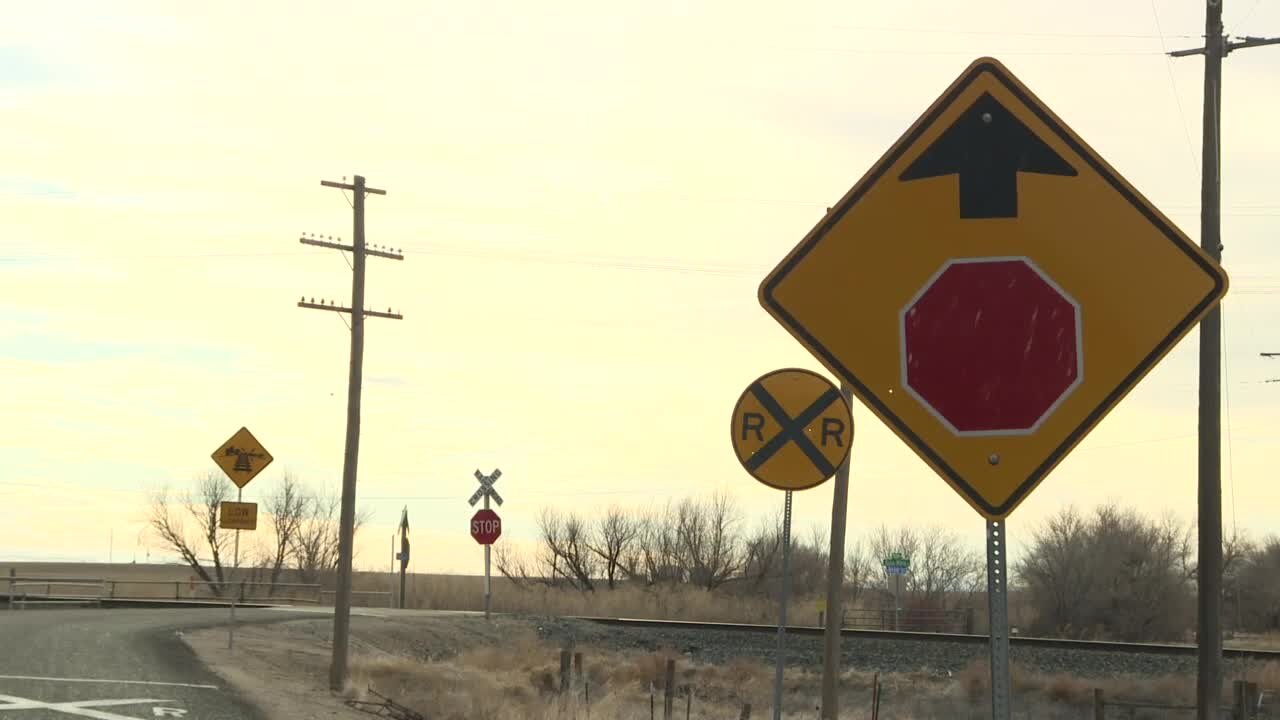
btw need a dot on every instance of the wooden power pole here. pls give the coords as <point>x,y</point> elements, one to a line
<point>346,529</point>
<point>1209,483</point>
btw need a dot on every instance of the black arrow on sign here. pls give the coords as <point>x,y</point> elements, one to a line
<point>987,146</point>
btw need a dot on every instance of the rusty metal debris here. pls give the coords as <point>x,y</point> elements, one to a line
<point>385,707</point>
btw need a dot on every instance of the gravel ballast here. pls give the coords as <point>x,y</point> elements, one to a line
<point>713,646</point>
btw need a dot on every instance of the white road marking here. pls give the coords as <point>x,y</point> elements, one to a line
<point>108,681</point>
<point>169,712</point>
<point>80,708</point>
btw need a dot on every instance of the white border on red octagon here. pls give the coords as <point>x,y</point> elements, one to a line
<point>902,346</point>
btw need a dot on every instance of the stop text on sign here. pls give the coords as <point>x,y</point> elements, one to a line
<point>486,527</point>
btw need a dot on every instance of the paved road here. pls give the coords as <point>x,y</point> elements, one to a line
<point>124,664</point>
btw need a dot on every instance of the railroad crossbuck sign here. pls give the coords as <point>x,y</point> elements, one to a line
<point>242,457</point>
<point>791,429</point>
<point>991,288</point>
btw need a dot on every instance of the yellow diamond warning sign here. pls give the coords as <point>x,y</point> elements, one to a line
<point>992,288</point>
<point>242,457</point>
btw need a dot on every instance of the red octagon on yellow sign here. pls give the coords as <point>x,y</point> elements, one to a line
<point>991,346</point>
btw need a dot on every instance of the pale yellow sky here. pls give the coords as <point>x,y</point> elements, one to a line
<point>587,195</point>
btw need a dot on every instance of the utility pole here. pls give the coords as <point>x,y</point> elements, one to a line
<point>346,528</point>
<point>834,619</point>
<point>1209,564</point>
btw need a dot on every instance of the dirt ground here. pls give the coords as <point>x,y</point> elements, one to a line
<point>461,667</point>
<point>456,667</point>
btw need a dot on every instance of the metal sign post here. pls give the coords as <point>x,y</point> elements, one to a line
<point>791,430</point>
<point>486,491</point>
<point>897,565</point>
<point>998,609</point>
<point>782,606</point>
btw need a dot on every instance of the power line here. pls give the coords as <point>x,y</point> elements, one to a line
<point>1013,33</point>
<point>1226,391</point>
<point>1177,97</point>
<point>969,53</point>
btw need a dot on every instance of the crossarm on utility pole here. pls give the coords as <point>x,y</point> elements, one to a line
<point>348,186</point>
<point>342,309</point>
<point>368,250</point>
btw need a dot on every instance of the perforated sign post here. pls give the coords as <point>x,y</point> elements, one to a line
<point>790,429</point>
<point>991,289</point>
<point>491,527</point>
<point>897,565</point>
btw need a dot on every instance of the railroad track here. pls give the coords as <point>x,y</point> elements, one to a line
<point>943,638</point>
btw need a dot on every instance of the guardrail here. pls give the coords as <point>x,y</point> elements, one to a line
<point>22,598</point>
<point>23,591</point>
<point>241,590</point>
<point>329,594</point>
<point>909,619</point>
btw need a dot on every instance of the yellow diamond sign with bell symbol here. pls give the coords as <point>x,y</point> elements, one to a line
<point>242,457</point>
<point>992,288</point>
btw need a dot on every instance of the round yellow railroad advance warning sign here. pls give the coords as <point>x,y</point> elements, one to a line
<point>791,429</point>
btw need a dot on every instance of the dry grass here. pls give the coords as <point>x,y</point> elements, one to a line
<point>523,681</point>
<point>1255,641</point>
<point>462,592</point>
<point>504,672</point>
<point>1062,689</point>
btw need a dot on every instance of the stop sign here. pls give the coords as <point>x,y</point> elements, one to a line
<point>486,526</point>
<point>991,346</point>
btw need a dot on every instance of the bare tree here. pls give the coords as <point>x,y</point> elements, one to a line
<point>315,542</point>
<point>1258,587</point>
<point>708,541</point>
<point>1115,574</point>
<point>611,541</point>
<point>565,555</point>
<point>944,568</point>
<point>858,571</point>
<point>287,507</point>
<point>656,555</point>
<point>762,553</point>
<point>1058,572</point>
<point>169,520</point>
<point>512,565</point>
<point>809,568</point>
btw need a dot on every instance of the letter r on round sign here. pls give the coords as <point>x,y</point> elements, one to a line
<point>792,429</point>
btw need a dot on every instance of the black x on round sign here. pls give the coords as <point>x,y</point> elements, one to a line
<point>792,429</point>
